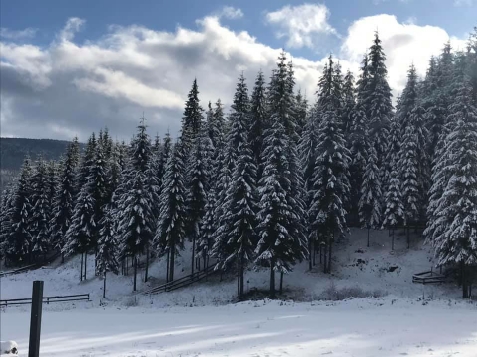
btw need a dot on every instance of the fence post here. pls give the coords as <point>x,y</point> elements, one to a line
<point>35,322</point>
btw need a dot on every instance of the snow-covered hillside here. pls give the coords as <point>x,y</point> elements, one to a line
<point>203,319</point>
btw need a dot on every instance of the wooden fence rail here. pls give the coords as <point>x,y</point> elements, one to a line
<point>46,299</point>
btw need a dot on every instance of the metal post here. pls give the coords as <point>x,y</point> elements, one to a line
<point>35,322</point>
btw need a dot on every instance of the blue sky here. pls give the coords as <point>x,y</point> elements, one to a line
<point>92,53</point>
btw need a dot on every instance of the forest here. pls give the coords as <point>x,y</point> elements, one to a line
<point>269,183</point>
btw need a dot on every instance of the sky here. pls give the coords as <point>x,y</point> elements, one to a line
<point>68,68</point>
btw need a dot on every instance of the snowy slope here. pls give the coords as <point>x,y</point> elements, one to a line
<point>354,266</point>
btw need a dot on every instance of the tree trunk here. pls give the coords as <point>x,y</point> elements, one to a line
<point>324,258</point>
<point>465,292</point>
<point>329,253</point>
<point>368,237</point>
<point>281,283</point>
<point>392,244</point>
<point>272,278</point>
<point>81,273</point>
<point>135,272</point>
<point>85,262</point>
<point>168,262</point>
<point>408,237</point>
<point>171,263</point>
<point>310,246</point>
<point>193,256</point>
<point>240,276</point>
<point>62,258</point>
<point>104,286</point>
<point>146,275</point>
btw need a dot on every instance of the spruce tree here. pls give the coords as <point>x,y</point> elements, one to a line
<point>198,187</point>
<point>40,202</point>
<point>19,240</point>
<point>379,108</point>
<point>370,201</point>
<point>170,232</point>
<point>107,246</point>
<point>301,113</point>
<point>64,200</point>
<point>192,118</point>
<point>408,101</point>
<point>258,116</point>
<point>349,102</point>
<point>331,177</point>
<point>394,209</point>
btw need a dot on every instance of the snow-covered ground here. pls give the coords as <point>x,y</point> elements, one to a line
<point>203,320</point>
<point>358,328</point>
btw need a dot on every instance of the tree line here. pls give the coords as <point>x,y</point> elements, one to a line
<point>270,183</point>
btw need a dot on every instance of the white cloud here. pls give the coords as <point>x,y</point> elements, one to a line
<point>301,24</point>
<point>463,2</point>
<point>17,35</point>
<point>231,12</point>
<point>77,88</point>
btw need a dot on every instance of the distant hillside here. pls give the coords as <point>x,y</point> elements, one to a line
<point>14,150</point>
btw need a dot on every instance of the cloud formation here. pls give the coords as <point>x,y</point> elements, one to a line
<point>69,88</point>
<point>17,35</point>
<point>231,12</point>
<point>301,24</point>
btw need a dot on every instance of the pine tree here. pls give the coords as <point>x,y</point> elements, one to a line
<point>170,232</point>
<point>19,240</point>
<point>408,101</point>
<point>301,113</point>
<point>5,212</point>
<point>163,159</point>
<point>394,212</point>
<point>349,103</point>
<point>40,202</point>
<point>258,117</point>
<point>358,148</point>
<point>276,247</point>
<point>241,203</point>
<point>137,202</point>
<point>107,246</point>
<point>192,118</point>
<point>378,102</point>
<point>87,161</point>
<point>331,177</point>
<point>63,207</point>
<point>370,201</point>
<point>198,187</point>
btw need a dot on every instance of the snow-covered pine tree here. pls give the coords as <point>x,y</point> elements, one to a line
<point>258,117</point>
<point>198,187</point>
<point>457,242</point>
<point>80,233</point>
<point>107,246</point>
<point>414,169</point>
<point>239,119</point>
<point>349,102</point>
<point>99,190</point>
<point>394,209</point>
<point>170,232</point>
<point>371,194</point>
<point>40,202</point>
<point>301,112</point>
<point>5,212</point>
<point>62,210</point>
<point>408,100</point>
<point>331,177</point>
<point>276,248</point>
<point>163,159</point>
<point>217,128</point>
<point>307,148</point>
<point>241,205</point>
<point>86,162</point>
<point>19,240</point>
<point>358,148</point>
<point>192,118</point>
<point>362,85</point>
<point>378,101</point>
<point>136,204</point>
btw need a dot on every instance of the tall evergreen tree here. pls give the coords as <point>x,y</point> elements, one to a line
<point>108,246</point>
<point>394,209</point>
<point>64,200</point>
<point>170,232</point>
<point>19,240</point>
<point>370,201</point>
<point>258,117</point>
<point>349,103</point>
<point>192,118</point>
<point>331,177</point>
